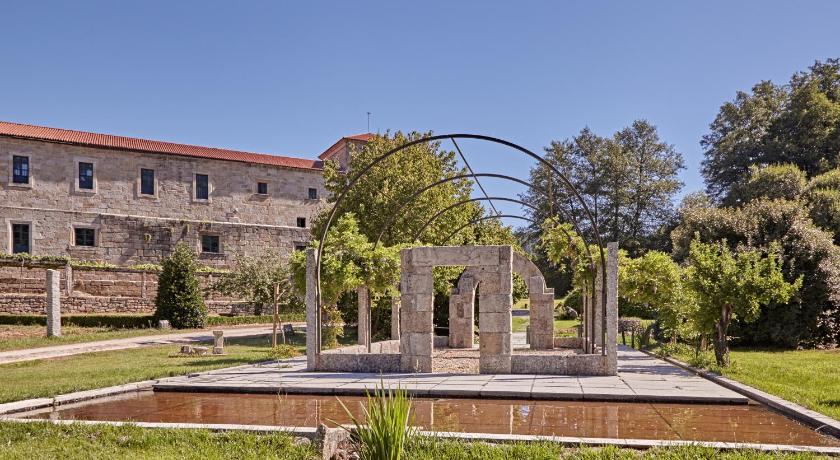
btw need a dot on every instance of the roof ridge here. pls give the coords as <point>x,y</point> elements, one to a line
<point>115,141</point>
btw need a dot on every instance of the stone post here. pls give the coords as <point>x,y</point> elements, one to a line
<point>586,321</point>
<point>612,308</point>
<point>395,317</point>
<point>313,333</point>
<point>494,320</point>
<point>542,314</point>
<point>363,323</point>
<point>218,342</point>
<point>462,313</point>
<point>416,339</point>
<point>598,339</point>
<point>53,303</point>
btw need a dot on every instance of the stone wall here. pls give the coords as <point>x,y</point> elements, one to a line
<point>22,291</point>
<point>132,228</point>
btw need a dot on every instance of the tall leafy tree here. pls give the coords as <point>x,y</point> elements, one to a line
<point>796,123</point>
<point>627,181</point>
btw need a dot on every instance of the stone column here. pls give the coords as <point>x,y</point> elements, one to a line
<point>313,333</point>
<point>612,308</point>
<point>542,314</point>
<point>586,321</point>
<point>462,313</point>
<point>494,320</point>
<point>218,342</point>
<point>53,303</point>
<point>598,339</point>
<point>416,287</point>
<point>363,322</point>
<point>395,317</point>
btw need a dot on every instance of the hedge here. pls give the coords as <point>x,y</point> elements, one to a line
<point>136,321</point>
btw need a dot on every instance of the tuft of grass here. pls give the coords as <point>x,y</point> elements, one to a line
<point>388,425</point>
<point>284,351</point>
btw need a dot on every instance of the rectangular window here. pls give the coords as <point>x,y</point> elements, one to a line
<point>210,243</point>
<point>262,188</point>
<point>301,222</point>
<point>85,175</point>
<point>85,236</point>
<point>202,187</point>
<point>20,238</point>
<point>300,247</point>
<point>20,169</point>
<point>147,181</point>
<point>313,193</point>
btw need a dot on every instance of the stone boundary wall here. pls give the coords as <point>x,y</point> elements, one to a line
<point>98,290</point>
<point>559,365</point>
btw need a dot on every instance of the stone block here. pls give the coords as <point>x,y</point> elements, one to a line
<point>499,364</point>
<point>415,364</point>
<point>417,283</point>
<point>495,343</point>
<point>418,344</point>
<point>494,322</point>
<point>495,303</point>
<point>416,321</point>
<point>432,256</point>
<point>418,302</point>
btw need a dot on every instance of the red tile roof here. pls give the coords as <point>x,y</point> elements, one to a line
<point>108,141</point>
<point>364,137</point>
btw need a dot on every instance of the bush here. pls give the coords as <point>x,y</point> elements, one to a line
<point>179,298</point>
<point>284,351</point>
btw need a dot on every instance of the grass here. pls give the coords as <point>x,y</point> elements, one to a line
<point>44,440</point>
<point>562,327</point>
<point>102,442</point>
<point>807,377</point>
<point>50,377</point>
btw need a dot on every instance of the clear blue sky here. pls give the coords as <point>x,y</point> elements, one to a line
<point>292,77</point>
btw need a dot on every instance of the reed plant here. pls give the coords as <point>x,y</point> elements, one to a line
<point>388,425</point>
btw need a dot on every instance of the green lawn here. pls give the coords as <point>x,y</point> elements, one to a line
<point>810,378</point>
<point>50,377</point>
<point>71,442</point>
<point>561,326</point>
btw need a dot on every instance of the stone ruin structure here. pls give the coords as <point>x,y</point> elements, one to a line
<point>489,271</point>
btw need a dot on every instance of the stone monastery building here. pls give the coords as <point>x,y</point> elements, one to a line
<point>127,201</point>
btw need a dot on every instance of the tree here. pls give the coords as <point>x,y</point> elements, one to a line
<point>627,181</point>
<point>179,298</point>
<point>728,285</point>
<point>388,185</point>
<point>796,123</point>
<point>810,319</point>
<point>262,280</point>
<point>348,262</point>
<point>657,283</point>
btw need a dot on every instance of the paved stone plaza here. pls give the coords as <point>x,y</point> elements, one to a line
<point>640,378</point>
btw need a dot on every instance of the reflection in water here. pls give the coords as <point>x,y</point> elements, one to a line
<point>560,418</point>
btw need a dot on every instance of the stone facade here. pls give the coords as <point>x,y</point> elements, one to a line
<point>132,228</point>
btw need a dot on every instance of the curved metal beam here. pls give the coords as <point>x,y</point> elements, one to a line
<point>461,203</point>
<point>483,218</point>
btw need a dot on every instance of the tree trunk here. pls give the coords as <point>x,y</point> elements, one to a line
<point>721,327</point>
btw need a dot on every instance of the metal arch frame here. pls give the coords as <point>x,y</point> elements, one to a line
<point>464,202</point>
<point>358,175</point>
<point>482,219</point>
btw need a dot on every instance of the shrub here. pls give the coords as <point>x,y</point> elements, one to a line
<point>387,427</point>
<point>283,351</point>
<point>179,298</point>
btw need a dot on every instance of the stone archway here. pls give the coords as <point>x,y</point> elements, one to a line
<point>541,298</point>
<point>494,267</point>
